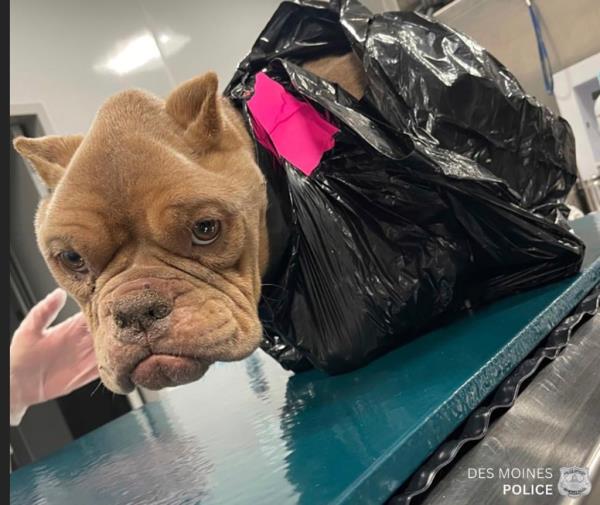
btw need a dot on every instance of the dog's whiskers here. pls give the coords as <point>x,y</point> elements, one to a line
<point>267,284</point>
<point>98,386</point>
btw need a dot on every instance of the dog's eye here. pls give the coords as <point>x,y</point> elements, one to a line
<point>205,232</point>
<point>73,261</point>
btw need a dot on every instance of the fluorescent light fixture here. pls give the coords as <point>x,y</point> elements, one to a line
<point>141,52</point>
<point>131,55</point>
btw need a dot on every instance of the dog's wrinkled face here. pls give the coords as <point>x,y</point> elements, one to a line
<point>156,226</point>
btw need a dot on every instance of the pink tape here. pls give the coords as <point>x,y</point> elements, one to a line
<point>289,127</point>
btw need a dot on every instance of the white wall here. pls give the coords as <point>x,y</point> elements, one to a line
<point>58,46</point>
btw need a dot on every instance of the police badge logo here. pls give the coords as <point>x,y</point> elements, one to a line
<point>574,481</point>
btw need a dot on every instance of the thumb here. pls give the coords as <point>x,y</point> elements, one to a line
<point>44,312</point>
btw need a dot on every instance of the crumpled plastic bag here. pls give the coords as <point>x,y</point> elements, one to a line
<point>443,189</point>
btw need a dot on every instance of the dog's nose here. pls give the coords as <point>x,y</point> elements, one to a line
<point>138,313</point>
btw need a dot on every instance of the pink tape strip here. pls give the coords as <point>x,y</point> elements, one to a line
<point>289,127</point>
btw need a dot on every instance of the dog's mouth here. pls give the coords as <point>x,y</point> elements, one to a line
<point>158,371</point>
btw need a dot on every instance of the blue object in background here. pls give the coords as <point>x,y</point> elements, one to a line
<point>252,433</point>
<point>542,52</point>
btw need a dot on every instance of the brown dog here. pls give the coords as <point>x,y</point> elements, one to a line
<point>156,225</point>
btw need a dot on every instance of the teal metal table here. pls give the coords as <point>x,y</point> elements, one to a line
<point>252,433</point>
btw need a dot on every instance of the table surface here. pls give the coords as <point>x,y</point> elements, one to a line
<point>250,432</point>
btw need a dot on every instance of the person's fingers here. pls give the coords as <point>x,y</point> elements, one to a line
<point>74,327</point>
<point>44,312</point>
<point>63,384</point>
<point>86,374</point>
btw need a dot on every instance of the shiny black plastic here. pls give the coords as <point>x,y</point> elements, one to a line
<point>443,191</point>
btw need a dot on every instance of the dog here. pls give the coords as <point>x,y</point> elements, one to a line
<point>156,225</point>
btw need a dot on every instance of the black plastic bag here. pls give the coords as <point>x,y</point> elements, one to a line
<point>443,191</point>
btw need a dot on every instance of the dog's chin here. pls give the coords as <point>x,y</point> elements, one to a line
<point>177,359</point>
<point>159,371</point>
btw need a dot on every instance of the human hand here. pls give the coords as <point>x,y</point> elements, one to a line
<point>49,362</point>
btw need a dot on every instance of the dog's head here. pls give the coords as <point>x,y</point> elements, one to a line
<point>156,225</point>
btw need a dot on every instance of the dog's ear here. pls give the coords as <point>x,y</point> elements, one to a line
<point>195,106</point>
<point>49,155</point>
